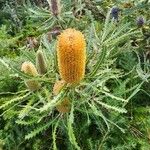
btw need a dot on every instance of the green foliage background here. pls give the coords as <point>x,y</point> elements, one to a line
<point>110,107</point>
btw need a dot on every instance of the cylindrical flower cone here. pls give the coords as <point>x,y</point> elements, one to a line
<point>41,63</point>
<point>64,106</point>
<point>29,68</point>
<point>71,55</point>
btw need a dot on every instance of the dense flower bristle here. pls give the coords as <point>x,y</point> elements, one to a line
<point>71,54</point>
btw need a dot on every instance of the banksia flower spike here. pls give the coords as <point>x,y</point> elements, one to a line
<point>65,105</point>
<point>71,55</point>
<point>29,69</point>
<point>40,63</point>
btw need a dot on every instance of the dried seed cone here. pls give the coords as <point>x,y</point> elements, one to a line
<point>65,105</point>
<point>71,55</point>
<point>29,68</point>
<point>40,63</point>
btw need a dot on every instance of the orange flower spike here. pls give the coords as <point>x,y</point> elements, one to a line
<point>71,55</point>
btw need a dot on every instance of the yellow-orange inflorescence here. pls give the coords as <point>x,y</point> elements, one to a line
<point>64,106</point>
<point>71,54</point>
<point>29,68</point>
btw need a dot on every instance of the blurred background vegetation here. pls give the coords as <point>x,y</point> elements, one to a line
<point>23,26</point>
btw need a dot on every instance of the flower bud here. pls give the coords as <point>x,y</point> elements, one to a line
<point>40,63</point>
<point>58,86</point>
<point>65,105</point>
<point>55,7</point>
<point>29,69</point>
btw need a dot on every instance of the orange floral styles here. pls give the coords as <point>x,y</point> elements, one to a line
<point>71,55</point>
